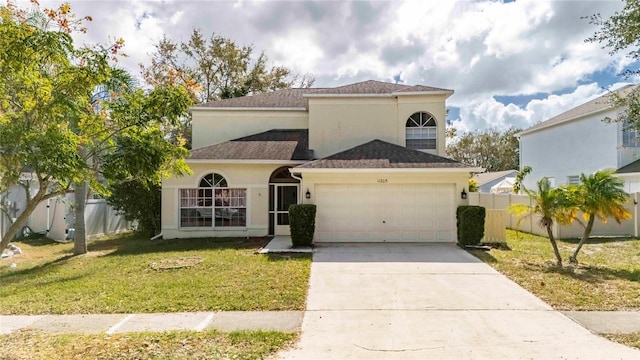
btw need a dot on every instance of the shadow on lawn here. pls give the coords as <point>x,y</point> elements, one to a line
<point>22,275</point>
<point>591,274</point>
<point>137,244</point>
<point>597,240</point>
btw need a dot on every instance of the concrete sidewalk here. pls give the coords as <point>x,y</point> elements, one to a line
<point>419,301</point>
<point>288,321</point>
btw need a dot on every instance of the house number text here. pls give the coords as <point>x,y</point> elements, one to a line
<point>382,181</point>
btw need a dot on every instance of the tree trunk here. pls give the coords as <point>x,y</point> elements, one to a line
<point>32,203</point>
<point>585,238</point>
<point>20,221</point>
<point>555,245</point>
<point>80,237</point>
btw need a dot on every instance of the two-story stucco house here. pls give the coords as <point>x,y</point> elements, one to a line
<point>370,155</point>
<point>579,141</point>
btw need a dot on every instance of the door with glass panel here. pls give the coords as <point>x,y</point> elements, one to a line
<point>284,195</point>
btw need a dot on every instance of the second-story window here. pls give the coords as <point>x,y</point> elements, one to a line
<point>630,136</point>
<point>421,131</point>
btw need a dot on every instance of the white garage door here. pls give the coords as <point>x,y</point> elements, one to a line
<point>385,212</point>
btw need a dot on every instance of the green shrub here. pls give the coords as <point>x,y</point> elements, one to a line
<point>302,222</point>
<point>470,223</point>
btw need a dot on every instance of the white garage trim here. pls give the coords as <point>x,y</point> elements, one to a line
<point>385,212</point>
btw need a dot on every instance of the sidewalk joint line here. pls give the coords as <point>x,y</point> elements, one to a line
<point>115,327</point>
<point>204,322</point>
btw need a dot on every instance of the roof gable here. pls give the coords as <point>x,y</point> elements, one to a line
<point>378,154</point>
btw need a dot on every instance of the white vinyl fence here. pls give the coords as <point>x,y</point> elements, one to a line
<point>57,217</point>
<point>500,202</point>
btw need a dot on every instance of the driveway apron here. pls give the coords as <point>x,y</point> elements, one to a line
<point>402,301</point>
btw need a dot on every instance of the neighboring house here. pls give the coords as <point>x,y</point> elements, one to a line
<point>370,155</point>
<point>579,141</point>
<point>487,180</point>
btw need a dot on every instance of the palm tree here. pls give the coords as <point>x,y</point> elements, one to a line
<point>600,195</point>
<point>550,205</point>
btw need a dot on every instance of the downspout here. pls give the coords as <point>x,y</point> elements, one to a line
<point>299,178</point>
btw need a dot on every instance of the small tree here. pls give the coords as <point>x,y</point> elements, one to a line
<point>599,195</point>
<point>551,205</point>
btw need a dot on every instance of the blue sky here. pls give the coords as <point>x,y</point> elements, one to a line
<point>510,63</point>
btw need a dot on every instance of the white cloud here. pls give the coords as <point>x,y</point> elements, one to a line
<point>489,113</point>
<point>481,49</point>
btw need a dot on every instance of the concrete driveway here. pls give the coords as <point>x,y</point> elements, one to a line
<point>400,301</point>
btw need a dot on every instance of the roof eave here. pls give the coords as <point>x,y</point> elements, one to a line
<point>245,161</point>
<point>573,118</point>
<point>207,108</point>
<point>345,95</point>
<point>435,92</point>
<point>380,170</point>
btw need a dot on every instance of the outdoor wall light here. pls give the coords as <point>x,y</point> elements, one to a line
<point>463,194</point>
<point>307,194</point>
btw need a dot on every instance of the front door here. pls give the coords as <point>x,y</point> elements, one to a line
<point>284,196</point>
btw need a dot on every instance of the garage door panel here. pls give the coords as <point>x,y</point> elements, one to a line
<point>385,212</point>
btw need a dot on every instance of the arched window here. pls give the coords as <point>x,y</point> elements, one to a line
<point>213,180</point>
<point>213,204</point>
<point>421,131</point>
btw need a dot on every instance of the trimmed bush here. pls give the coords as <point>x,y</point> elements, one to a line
<point>302,222</point>
<point>470,224</point>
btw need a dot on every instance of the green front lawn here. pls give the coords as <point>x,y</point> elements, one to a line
<point>118,276</point>
<point>165,345</point>
<point>607,278</point>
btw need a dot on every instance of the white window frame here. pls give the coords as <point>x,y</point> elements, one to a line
<point>573,179</point>
<point>213,203</point>
<point>421,127</point>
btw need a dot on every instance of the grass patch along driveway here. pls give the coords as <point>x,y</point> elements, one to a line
<point>118,276</point>
<point>607,278</point>
<point>167,345</point>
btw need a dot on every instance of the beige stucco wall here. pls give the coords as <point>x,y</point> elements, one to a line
<point>218,125</point>
<point>434,105</point>
<point>339,123</point>
<point>310,180</point>
<point>253,177</point>
<point>336,124</point>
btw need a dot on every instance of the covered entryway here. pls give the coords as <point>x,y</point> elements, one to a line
<point>385,212</point>
<point>284,191</point>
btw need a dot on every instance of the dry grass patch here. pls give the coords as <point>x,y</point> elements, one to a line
<point>166,345</point>
<point>607,278</point>
<point>631,340</point>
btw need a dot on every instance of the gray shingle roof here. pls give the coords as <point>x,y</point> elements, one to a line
<point>287,98</point>
<point>294,98</point>
<point>598,104</point>
<point>378,154</point>
<point>633,167</point>
<point>486,177</point>
<point>377,87</point>
<point>269,145</point>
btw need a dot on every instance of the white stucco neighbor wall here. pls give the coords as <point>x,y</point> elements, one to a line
<point>571,148</point>
<point>217,125</point>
